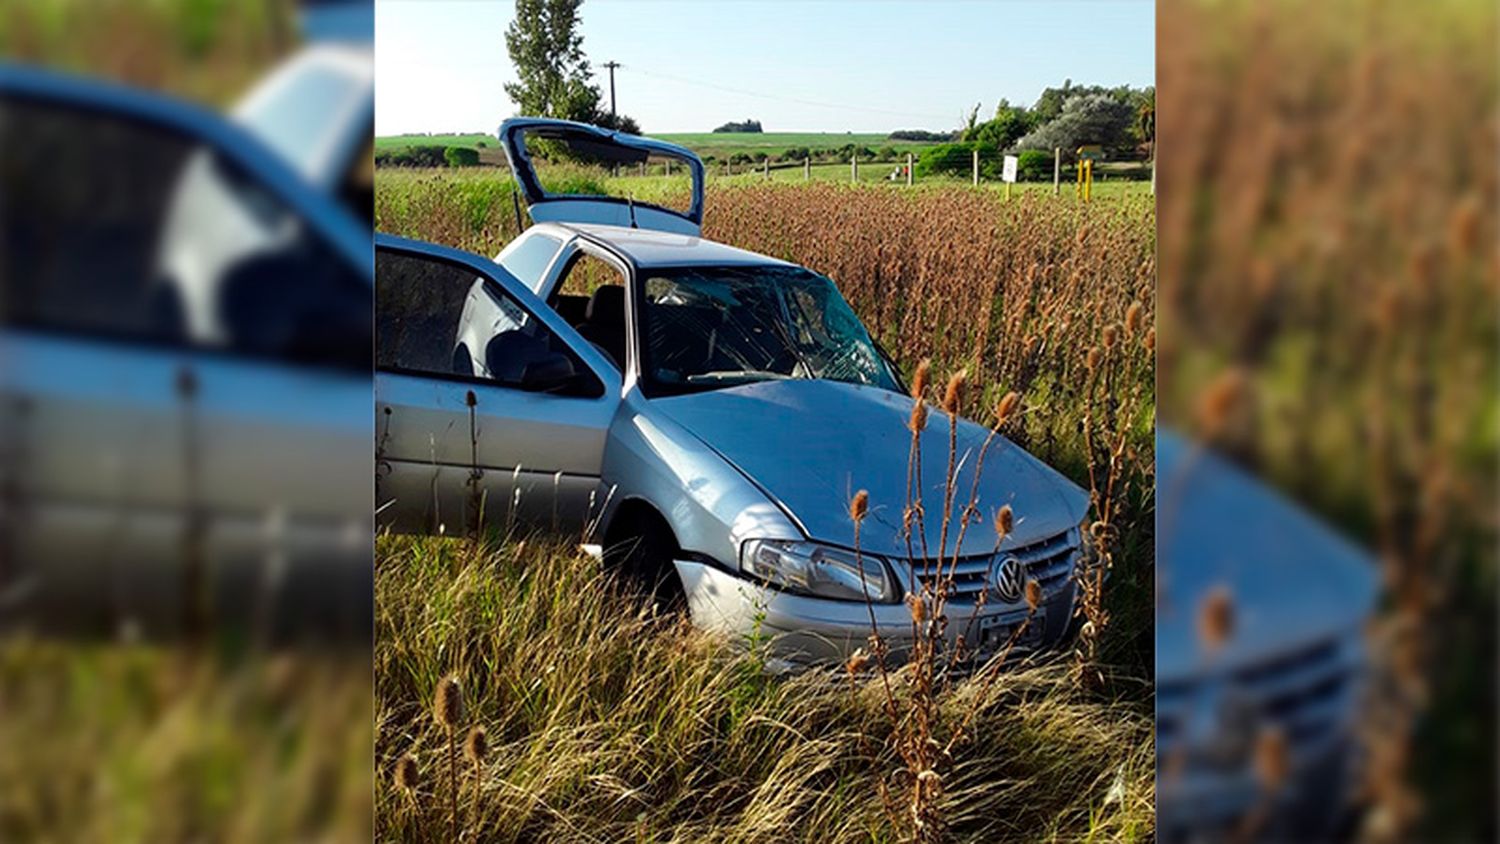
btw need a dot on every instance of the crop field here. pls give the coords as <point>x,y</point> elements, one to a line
<point>608,725</point>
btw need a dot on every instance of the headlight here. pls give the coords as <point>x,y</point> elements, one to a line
<point>819,570</point>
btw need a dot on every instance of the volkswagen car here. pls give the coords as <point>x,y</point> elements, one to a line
<point>1291,665</point>
<point>700,414</point>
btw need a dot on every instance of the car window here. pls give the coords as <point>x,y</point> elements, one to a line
<point>298,112</point>
<point>528,258</point>
<point>591,297</point>
<point>134,232</point>
<point>711,327</point>
<point>436,317</point>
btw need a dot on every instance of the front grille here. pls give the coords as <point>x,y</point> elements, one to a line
<point>1303,693</point>
<point>1049,562</point>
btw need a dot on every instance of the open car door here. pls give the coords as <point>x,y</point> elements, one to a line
<point>575,149</point>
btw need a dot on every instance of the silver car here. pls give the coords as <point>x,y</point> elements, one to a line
<point>1294,663</point>
<point>700,414</point>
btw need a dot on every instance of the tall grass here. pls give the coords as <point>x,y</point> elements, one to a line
<point>1329,192</point>
<point>209,51</point>
<point>606,722</point>
<point>118,742</point>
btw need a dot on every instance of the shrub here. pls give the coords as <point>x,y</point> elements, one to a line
<point>461,156</point>
<point>920,135</point>
<point>417,155</point>
<point>1034,165</point>
<point>958,160</point>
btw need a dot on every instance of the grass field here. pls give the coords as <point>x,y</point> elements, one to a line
<point>617,727</point>
<point>717,144</point>
<point>605,723</point>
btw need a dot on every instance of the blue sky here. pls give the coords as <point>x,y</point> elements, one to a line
<point>835,66</point>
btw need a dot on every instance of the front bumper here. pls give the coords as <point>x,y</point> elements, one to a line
<point>1200,806</point>
<point>804,632</point>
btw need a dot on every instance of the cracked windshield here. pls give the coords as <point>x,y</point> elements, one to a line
<point>715,327</point>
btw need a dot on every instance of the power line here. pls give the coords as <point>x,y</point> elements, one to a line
<point>776,97</point>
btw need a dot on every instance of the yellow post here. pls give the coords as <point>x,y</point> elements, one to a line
<point>1088,179</point>
<point>1007,191</point>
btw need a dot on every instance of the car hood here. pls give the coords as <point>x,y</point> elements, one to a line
<point>810,445</point>
<point>1291,581</point>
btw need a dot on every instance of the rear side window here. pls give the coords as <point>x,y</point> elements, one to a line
<point>529,257</point>
<point>121,229</point>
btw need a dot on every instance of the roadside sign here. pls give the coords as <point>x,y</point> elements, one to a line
<point>1090,152</point>
<point>1008,174</point>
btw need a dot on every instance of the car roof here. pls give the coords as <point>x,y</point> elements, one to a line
<point>646,248</point>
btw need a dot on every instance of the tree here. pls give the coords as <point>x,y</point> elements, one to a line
<point>1145,119</point>
<point>547,51</point>
<point>748,125</point>
<point>618,122</point>
<point>1086,119</point>
<point>553,75</point>
<point>1008,125</point>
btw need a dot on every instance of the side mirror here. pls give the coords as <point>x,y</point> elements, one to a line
<point>549,372</point>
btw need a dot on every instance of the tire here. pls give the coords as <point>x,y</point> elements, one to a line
<point>643,558</point>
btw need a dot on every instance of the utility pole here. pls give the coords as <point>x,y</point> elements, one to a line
<point>612,66</point>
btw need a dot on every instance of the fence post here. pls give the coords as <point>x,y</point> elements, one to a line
<point>668,165</point>
<point>1057,171</point>
<point>806,169</point>
<point>976,167</point>
<point>853,166</point>
<point>643,169</point>
<point>908,169</point>
<point>767,166</point>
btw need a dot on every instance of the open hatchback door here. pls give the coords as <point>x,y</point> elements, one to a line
<point>575,149</point>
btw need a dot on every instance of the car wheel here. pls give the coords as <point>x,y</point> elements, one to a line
<point>643,558</point>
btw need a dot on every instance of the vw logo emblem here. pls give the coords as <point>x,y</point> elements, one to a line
<point>1008,576</point>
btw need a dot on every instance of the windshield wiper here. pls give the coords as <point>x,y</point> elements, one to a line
<point>744,376</point>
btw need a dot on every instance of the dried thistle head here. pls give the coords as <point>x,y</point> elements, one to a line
<point>1216,618</point>
<point>1271,759</point>
<point>1092,360</point>
<point>857,661</point>
<point>918,607</point>
<point>448,703</point>
<point>408,776</point>
<point>1149,341</point>
<point>1033,594</point>
<point>919,379</point>
<point>1111,335</point>
<point>860,506</point>
<point>918,419</point>
<point>477,745</point>
<point>1133,316</point>
<point>1222,400</point>
<point>1006,408</point>
<point>1005,521</point>
<point>953,395</point>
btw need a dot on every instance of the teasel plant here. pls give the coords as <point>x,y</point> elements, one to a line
<point>448,711</point>
<point>1113,403</point>
<point>922,736</point>
<point>476,751</point>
